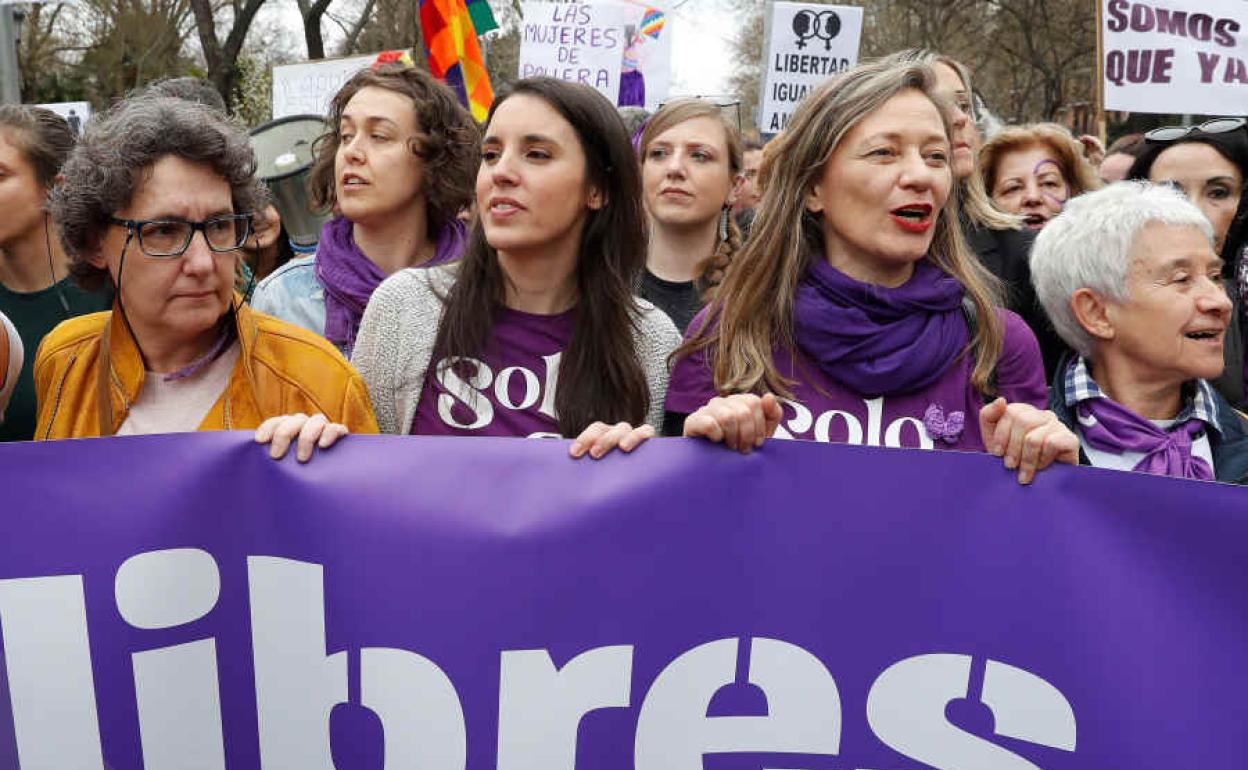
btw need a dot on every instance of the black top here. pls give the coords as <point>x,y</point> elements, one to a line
<point>1006,255</point>
<point>681,300</point>
<point>34,314</point>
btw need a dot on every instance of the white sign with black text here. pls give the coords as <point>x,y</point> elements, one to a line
<point>1176,56</point>
<point>308,88</point>
<point>807,45</point>
<point>581,42</point>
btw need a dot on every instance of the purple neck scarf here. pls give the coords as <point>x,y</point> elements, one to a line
<point>1111,427</point>
<point>878,340</point>
<point>349,277</point>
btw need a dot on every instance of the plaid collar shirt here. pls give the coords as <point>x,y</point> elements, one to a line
<point>1198,398</point>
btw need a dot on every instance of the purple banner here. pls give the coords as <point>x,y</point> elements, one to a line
<point>185,602</point>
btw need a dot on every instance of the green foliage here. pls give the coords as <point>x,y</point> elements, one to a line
<point>98,50</point>
<point>253,103</point>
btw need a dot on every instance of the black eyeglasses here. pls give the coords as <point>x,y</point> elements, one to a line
<point>172,237</point>
<point>1215,126</point>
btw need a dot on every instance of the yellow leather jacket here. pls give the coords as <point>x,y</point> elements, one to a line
<point>89,371</point>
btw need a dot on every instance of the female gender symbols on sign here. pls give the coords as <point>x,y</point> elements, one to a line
<point>824,25</point>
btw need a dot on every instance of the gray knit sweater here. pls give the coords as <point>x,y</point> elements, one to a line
<point>395,345</point>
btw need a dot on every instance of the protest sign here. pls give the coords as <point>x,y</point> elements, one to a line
<point>806,45</point>
<point>186,602</point>
<point>581,42</point>
<point>647,53</point>
<point>308,88</point>
<point>75,113</point>
<point>1175,56</point>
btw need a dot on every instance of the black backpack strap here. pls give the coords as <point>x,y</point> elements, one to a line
<point>972,325</point>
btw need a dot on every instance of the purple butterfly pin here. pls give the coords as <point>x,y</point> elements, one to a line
<point>941,428</point>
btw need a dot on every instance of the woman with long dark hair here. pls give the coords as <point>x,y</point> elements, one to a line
<point>535,331</point>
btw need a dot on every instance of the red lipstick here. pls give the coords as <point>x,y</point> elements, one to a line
<point>915,218</point>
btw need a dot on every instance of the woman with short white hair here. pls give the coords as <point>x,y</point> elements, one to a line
<point>1130,281</point>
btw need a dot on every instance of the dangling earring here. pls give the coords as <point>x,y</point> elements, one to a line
<point>723,224</point>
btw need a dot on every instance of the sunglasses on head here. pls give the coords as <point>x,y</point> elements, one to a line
<point>1215,126</point>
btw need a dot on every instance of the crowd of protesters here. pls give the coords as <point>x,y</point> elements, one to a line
<point>881,272</point>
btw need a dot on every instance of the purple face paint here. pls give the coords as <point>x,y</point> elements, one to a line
<point>1035,172</point>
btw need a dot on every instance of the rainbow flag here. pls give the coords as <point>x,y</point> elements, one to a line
<point>482,16</point>
<point>454,53</point>
<point>652,23</point>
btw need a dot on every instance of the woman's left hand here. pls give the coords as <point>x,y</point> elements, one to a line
<point>1029,439</point>
<point>600,438</point>
<point>307,432</point>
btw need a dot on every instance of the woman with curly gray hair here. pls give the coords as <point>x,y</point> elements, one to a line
<point>158,198</point>
<point>1130,279</point>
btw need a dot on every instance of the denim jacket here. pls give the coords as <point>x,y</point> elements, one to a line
<point>293,294</point>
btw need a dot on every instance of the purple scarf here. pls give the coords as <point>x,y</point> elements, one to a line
<point>349,278</point>
<point>878,340</point>
<point>1111,427</point>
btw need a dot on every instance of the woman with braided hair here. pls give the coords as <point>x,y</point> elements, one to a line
<point>691,159</point>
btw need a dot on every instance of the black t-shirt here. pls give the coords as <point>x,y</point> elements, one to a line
<point>681,300</point>
<point>1006,255</point>
<point>34,315</point>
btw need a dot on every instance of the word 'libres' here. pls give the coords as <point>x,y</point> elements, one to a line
<point>297,684</point>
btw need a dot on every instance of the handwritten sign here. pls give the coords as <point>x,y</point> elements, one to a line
<point>308,88</point>
<point>645,80</point>
<point>1174,56</point>
<point>75,113</point>
<point>584,43</point>
<point>807,45</point>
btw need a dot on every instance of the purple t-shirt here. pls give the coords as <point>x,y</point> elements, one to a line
<point>508,391</point>
<point>945,415</point>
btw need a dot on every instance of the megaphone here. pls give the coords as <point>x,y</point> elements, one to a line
<point>284,157</point>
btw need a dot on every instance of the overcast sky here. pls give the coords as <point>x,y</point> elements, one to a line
<point>701,58</point>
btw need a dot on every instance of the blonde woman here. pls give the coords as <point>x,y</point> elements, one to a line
<point>856,313</point>
<point>999,240</point>
<point>1031,171</point>
<point>691,160</point>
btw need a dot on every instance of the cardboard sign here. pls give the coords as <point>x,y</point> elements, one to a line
<point>1175,56</point>
<point>308,88</point>
<point>807,44</point>
<point>583,43</point>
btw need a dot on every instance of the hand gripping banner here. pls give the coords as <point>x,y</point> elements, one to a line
<point>185,602</point>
